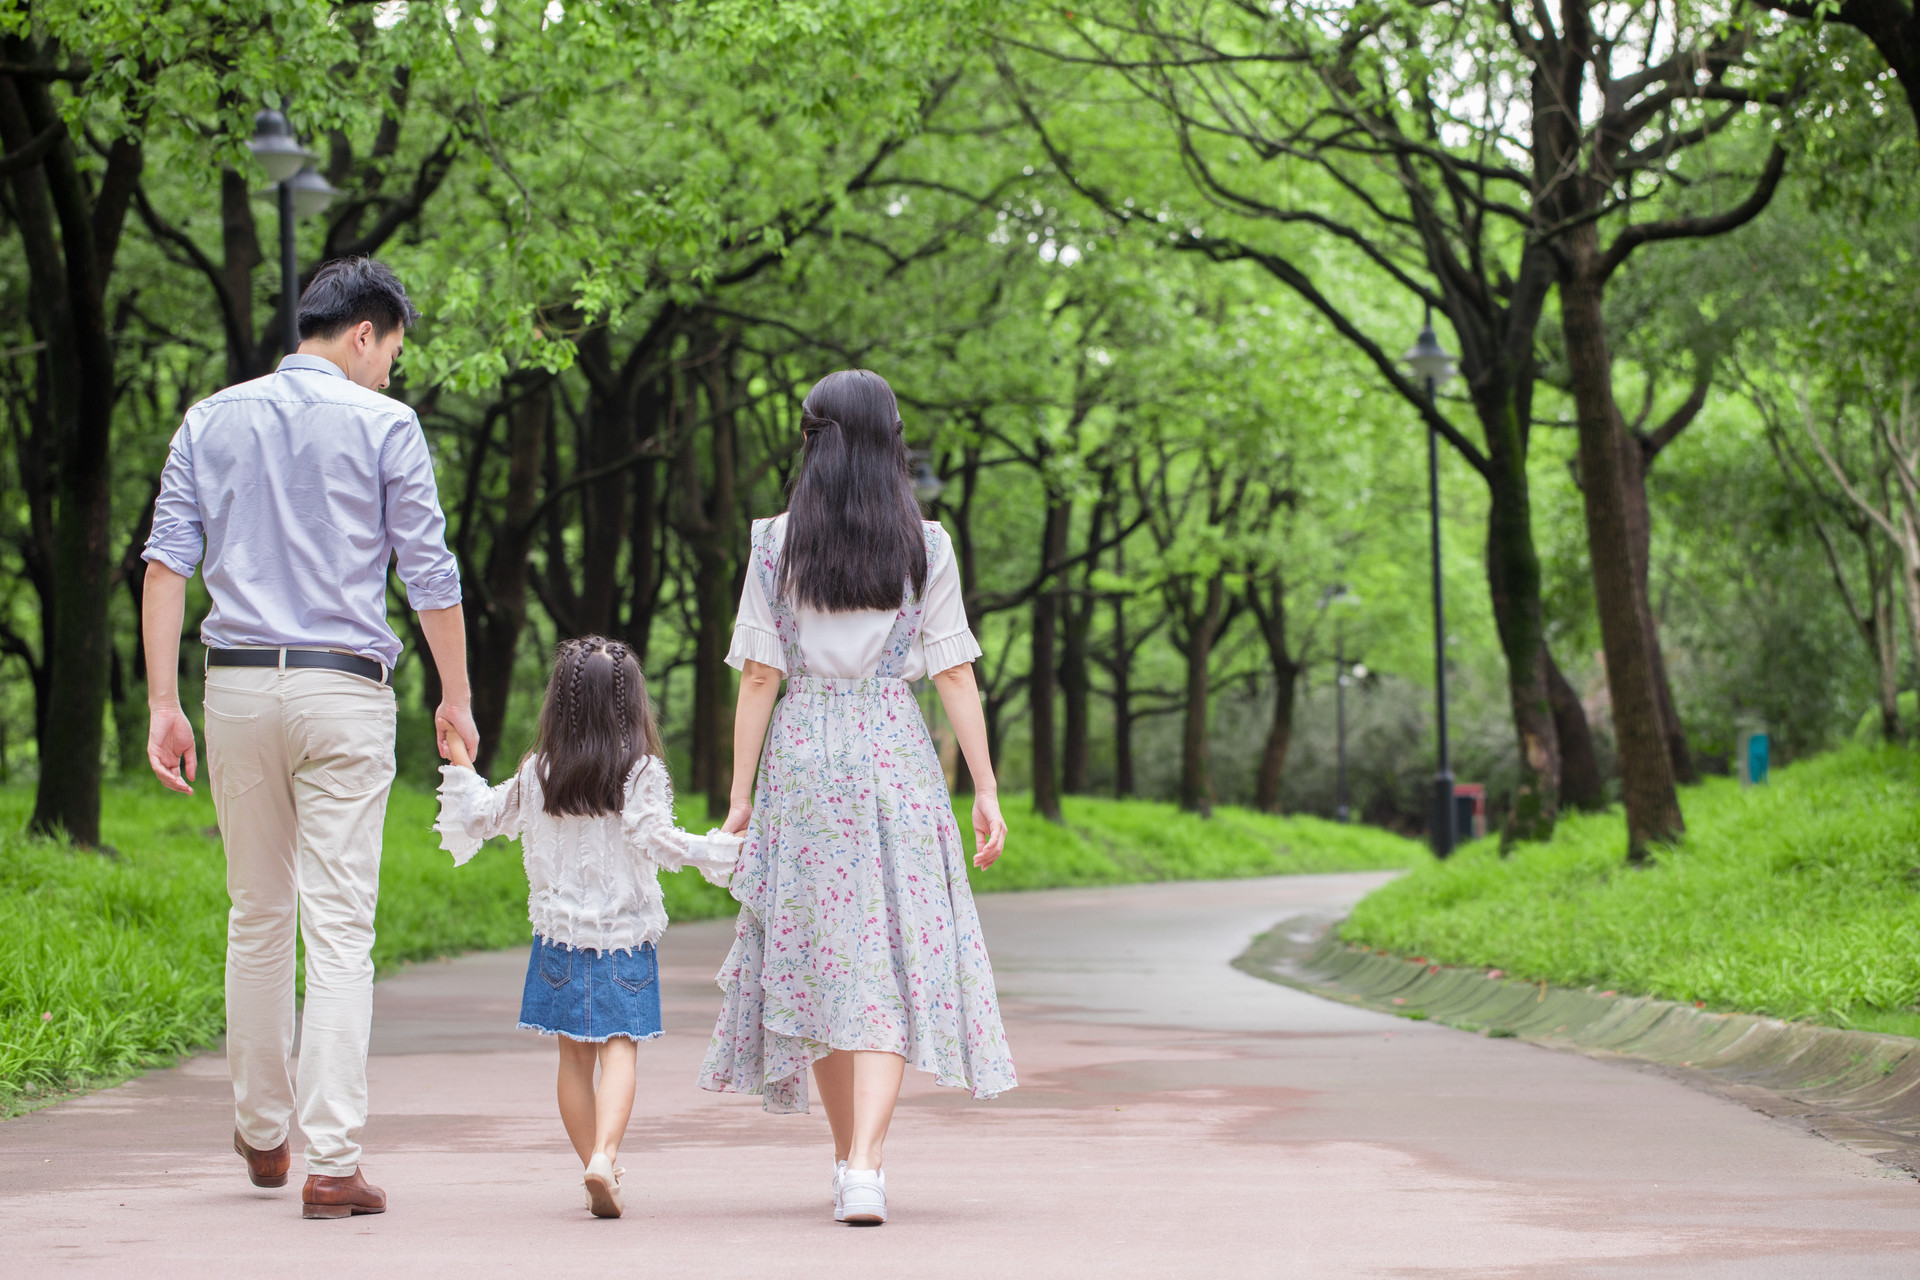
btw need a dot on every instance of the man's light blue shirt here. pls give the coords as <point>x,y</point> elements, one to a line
<point>301,487</point>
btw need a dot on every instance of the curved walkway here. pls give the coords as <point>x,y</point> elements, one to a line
<point>1176,1117</point>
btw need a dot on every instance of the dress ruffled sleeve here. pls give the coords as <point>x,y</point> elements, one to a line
<point>472,813</point>
<point>755,638</point>
<point>652,834</point>
<point>947,639</point>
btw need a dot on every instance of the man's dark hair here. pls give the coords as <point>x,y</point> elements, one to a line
<point>348,290</point>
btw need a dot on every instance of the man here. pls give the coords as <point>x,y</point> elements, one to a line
<point>302,486</point>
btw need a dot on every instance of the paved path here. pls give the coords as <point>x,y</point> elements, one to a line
<point>1175,1118</point>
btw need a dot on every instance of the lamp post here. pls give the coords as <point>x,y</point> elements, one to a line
<point>1337,594</point>
<point>1431,363</point>
<point>927,484</point>
<point>302,193</point>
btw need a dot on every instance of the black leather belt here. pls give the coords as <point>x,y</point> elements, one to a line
<point>365,668</point>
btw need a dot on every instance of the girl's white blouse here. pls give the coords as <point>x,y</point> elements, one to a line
<point>592,882</point>
<point>850,645</point>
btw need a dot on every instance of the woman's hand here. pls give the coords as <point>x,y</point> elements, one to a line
<point>989,829</point>
<point>739,813</point>
<point>452,744</point>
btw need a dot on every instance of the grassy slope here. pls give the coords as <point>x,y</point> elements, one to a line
<point>126,953</point>
<point>1799,899</point>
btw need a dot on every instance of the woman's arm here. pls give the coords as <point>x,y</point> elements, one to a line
<point>961,698</point>
<point>759,690</point>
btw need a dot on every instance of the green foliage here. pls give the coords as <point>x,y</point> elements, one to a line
<point>1799,899</point>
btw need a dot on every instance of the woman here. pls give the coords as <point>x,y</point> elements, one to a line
<point>858,948</point>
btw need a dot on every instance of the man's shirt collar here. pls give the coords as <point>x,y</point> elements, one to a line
<point>311,364</point>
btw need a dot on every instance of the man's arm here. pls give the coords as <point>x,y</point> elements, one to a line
<point>446,632</point>
<point>169,732</point>
<point>432,576</point>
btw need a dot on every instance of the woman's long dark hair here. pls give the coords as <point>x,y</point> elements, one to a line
<point>594,726</point>
<point>854,539</point>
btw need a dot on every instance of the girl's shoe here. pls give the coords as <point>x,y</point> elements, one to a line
<point>839,1210</point>
<point>603,1187</point>
<point>863,1196</point>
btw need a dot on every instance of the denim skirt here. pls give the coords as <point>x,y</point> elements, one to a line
<point>592,995</point>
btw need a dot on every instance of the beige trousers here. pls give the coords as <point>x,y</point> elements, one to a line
<point>300,762</point>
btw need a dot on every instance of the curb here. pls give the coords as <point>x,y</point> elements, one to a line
<point>1857,1088</point>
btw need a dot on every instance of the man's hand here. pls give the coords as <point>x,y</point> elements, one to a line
<point>452,721</point>
<point>452,746</point>
<point>169,742</point>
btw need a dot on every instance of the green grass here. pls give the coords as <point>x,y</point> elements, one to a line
<point>109,965</point>
<point>1127,841</point>
<point>1799,899</point>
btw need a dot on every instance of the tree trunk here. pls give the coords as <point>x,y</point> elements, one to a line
<point>1513,577</point>
<point>1273,757</point>
<point>1581,786</point>
<point>715,556</point>
<point>67,275</point>
<point>240,255</point>
<point>1646,767</point>
<point>1040,675</point>
<point>497,611</point>
<point>643,558</point>
<point>1271,613</point>
<point>1122,673</point>
<point>606,438</point>
<point>1633,474</point>
<point>1196,782</point>
<point>1076,685</point>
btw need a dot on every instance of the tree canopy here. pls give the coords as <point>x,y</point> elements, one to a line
<point>1140,274</point>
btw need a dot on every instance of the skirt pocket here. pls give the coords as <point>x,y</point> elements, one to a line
<point>556,965</point>
<point>634,971</point>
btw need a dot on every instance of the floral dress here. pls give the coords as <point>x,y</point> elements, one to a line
<point>857,927</point>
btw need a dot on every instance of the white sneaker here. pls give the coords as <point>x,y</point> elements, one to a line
<point>603,1188</point>
<point>839,1210</point>
<point>863,1196</point>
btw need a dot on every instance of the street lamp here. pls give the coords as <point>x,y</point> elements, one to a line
<point>927,484</point>
<point>1432,364</point>
<point>1337,594</point>
<point>302,193</point>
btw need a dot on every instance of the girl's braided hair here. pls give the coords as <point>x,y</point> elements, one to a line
<point>595,726</point>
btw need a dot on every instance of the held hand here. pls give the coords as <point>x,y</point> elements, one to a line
<point>738,815</point>
<point>989,830</point>
<point>169,743</point>
<point>452,722</point>
<point>452,746</point>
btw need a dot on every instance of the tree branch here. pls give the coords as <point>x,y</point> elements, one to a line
<point>1699,228</point>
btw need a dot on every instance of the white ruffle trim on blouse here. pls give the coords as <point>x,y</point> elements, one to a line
<point>466,807</point>
<point>751,644</point>
<point>945,654</point>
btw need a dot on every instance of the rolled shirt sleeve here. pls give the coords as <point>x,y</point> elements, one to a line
<point>416,526</point>
<point>178,539</point>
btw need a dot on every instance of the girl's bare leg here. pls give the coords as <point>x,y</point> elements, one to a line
<point>576,1094</point>
<point>876,1087</point>
<point>833,1081</point>
<point>613,1104</point>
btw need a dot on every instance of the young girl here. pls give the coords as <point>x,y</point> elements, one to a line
<point>858,949</point>
<point>593,808</point>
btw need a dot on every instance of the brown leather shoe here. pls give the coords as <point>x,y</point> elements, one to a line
<point>265,1168</point>
<point>326,1197</point>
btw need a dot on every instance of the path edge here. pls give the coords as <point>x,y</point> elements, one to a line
<point>1857,1088</point>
